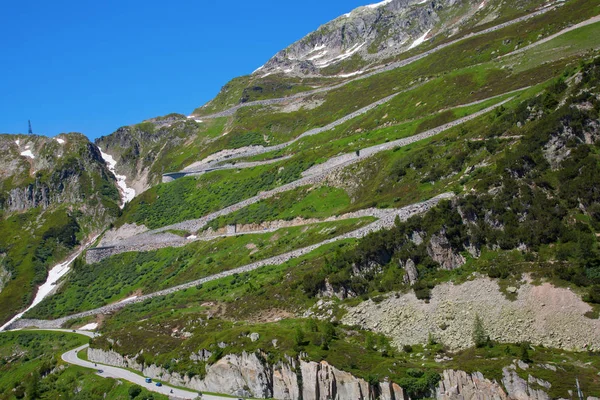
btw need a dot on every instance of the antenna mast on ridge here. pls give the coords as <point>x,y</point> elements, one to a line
<point>30,130</point>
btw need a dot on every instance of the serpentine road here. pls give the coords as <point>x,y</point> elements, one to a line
<point>109,371</point>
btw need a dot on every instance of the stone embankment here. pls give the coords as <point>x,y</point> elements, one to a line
<point>377,70</point>
<point>541,315</point>
<point>386,220</point>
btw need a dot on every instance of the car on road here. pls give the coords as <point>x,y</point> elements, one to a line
<point>158,384</point>
<point>148,380</point>
<point>100,371</point>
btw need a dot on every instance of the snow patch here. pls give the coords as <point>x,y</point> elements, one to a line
<point>318,55</point>
<point>348,53</point>
<point>28,153</point>
<point>192,237</point>
<point>47,287</point>
<point>127,193</point>
<point>18,142</point>
<point>419,40</point>
<point>89,327</point>
<point>481,5</point>
<point>59,140</point>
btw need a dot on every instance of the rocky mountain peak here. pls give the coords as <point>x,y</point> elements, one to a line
<point>365,35</point>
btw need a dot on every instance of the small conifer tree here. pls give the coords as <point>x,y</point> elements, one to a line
<point>480,337</point>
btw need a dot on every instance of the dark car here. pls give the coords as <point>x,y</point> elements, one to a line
<point>100,371</point>
<point>158,384</point>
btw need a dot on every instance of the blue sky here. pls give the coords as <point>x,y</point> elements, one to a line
<point>91,67</point>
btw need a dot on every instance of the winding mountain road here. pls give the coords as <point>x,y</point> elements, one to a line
<point>108,371</point>
<point>314,175</point>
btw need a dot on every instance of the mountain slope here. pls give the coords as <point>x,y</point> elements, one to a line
<point>427,229</point>
<point>54,192</point>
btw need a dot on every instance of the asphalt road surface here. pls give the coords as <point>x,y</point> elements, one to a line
<point>109,371</point>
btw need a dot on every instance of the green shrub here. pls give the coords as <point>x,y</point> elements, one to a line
<point>134,391</point>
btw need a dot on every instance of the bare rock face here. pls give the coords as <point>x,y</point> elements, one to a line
<point>439,250</point>
<point>285,381</point>
<point>240,375</point>
<point>410,272</point>
<point>202,355</point>
<point>248,375</point>
<point>391,391</point>
<point>374,31</point>
<point>321,381</point>
<point>519,389</point>
<point>4,275</point>
<point>458,385</point>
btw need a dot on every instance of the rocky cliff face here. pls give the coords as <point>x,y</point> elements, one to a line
<point>40,172</point>
<point>249,375</point>
<point>144,152</point>
<point>459,385</point>
<point>369,33</point>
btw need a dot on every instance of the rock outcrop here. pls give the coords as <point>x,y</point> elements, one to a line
<point>38,171</point>
<point>249,375</point>
<point>410,272</point>
<point>440,250</point>
<point>4,275</point>
<point>372,32</point>
<point>520,389</point>
<point>458,385</point>
<point>285,380</point>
